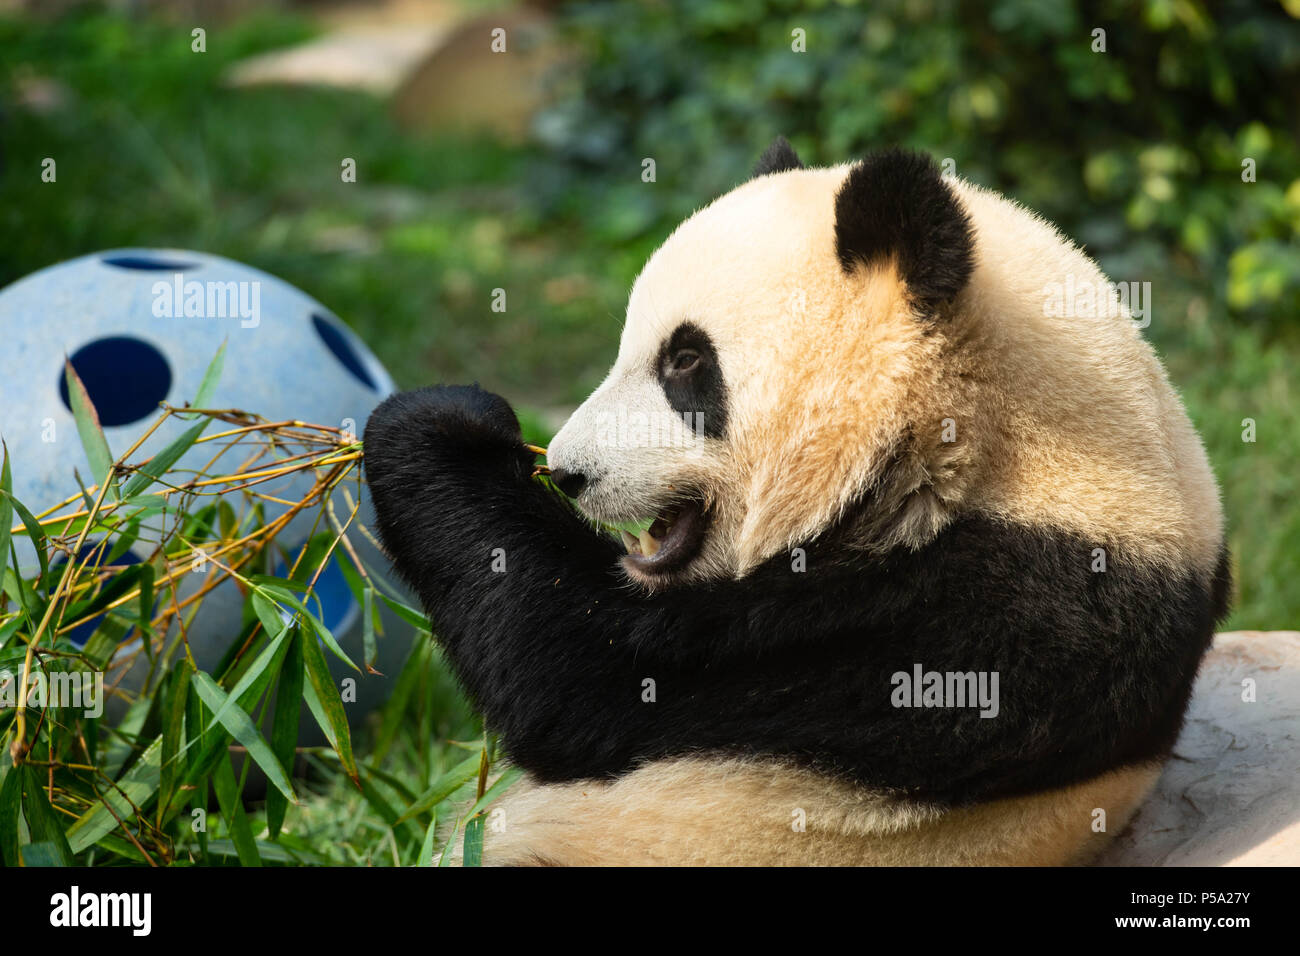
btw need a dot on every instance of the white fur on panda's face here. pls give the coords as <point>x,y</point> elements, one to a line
<point>798,345</point>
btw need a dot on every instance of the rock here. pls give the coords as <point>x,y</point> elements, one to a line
<point>465,85</point>
<point>375,59</point>
<point>1230,795</point>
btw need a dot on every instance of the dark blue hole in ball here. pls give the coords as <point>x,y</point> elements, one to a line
<point>81,633</point>
<point>125,378</point>
<point>336,340</point>
<point>147,263</point>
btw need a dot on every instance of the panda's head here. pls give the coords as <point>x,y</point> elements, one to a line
<point>774,352</point>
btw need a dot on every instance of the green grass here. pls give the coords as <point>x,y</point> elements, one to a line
<point>152,151</point>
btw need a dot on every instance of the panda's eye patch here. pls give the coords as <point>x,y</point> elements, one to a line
<point>683,362</point>
<point>691,376</point>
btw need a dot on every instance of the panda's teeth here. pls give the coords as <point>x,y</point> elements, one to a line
<point>630,542</point>
<point>648,544</point>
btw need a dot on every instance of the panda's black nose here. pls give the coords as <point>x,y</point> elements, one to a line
<point>570,482</point>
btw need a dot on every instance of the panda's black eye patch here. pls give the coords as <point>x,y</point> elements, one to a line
<point>691,377</point>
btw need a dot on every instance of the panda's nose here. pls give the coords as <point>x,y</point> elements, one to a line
<point>570,482</point>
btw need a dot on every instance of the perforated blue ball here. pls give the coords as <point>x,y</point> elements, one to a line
<point>140,327</point>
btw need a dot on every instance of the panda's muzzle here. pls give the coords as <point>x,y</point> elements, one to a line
<point>670,543</point>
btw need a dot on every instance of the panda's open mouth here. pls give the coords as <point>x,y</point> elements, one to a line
<point>670,543</point>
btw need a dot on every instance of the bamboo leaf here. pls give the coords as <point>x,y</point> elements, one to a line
<point>326,705</point>
<point>11,799</point>
<point>232,808</point>
<point>87,419</point>
<point>236,720</point>
<point>426,848</point>
<point>473,845</point>
<point>159,464</point>
<point>135,787</point>
<point>117,585</point>
<point>447,784</point>
<point>284,725</point>
<point>211,377</point>
<point>43,822</point>
<point>503,783</point>
<point>43,854</point>
<point>369,646</point>
<point>407,613</point>
<point>279,593</point>
<point>6,510</point>
<point>173,728</point>
<point>37,535</point>
<point>124,541</point>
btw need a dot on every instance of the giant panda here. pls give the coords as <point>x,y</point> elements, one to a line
<point>873,454</point>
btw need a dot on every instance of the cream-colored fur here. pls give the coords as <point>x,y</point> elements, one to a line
<point>695,811</point>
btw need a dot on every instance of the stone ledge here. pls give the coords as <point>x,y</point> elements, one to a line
<point>1230,796</point>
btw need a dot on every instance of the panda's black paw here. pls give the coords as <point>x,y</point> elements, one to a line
<point>450,426</point>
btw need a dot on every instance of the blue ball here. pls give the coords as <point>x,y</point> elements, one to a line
<point>141,326</point>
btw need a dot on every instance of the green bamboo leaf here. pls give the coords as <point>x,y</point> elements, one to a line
<point>449,849</point>
<point>92,436</point>
<point>44,823</point>
<point>284,725</point>
<point>232,808</point>
<point>407,613</point>
<point>43,854</point>
<point>259,674</point>
<point>211,377</point>
<point>6,510</point>
<point>135,787</point>
<point>278,593</point>
<point>473,845</point>
<point>326,705</point>
<point>9,629</point>
<point>158,465</point>
<point>124,541</point>
<point>117,585</point>
<point>173,733</point>
<point>236,720</point>
<point>11,799</point>
<point>212,744</point>
<point>269,613</point>
<point>356,584</point>
<point>37,535</point>
<point>426,848</point>
<point>447,784</point>
<point>502,784</point>
<point>144,617</point>
<point>199,796</point>
<point>369,646</point>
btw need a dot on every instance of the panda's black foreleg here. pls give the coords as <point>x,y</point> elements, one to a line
<point>524,594</point>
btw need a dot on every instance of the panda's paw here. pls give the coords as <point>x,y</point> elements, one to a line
<point>459,425</point>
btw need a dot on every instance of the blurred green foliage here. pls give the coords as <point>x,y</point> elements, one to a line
<point>1136,152</point>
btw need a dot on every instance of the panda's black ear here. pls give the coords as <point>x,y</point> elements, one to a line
<point>896,203</point>
<point>777,158</point>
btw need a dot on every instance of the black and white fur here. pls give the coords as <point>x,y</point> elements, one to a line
<point>817,536</point>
